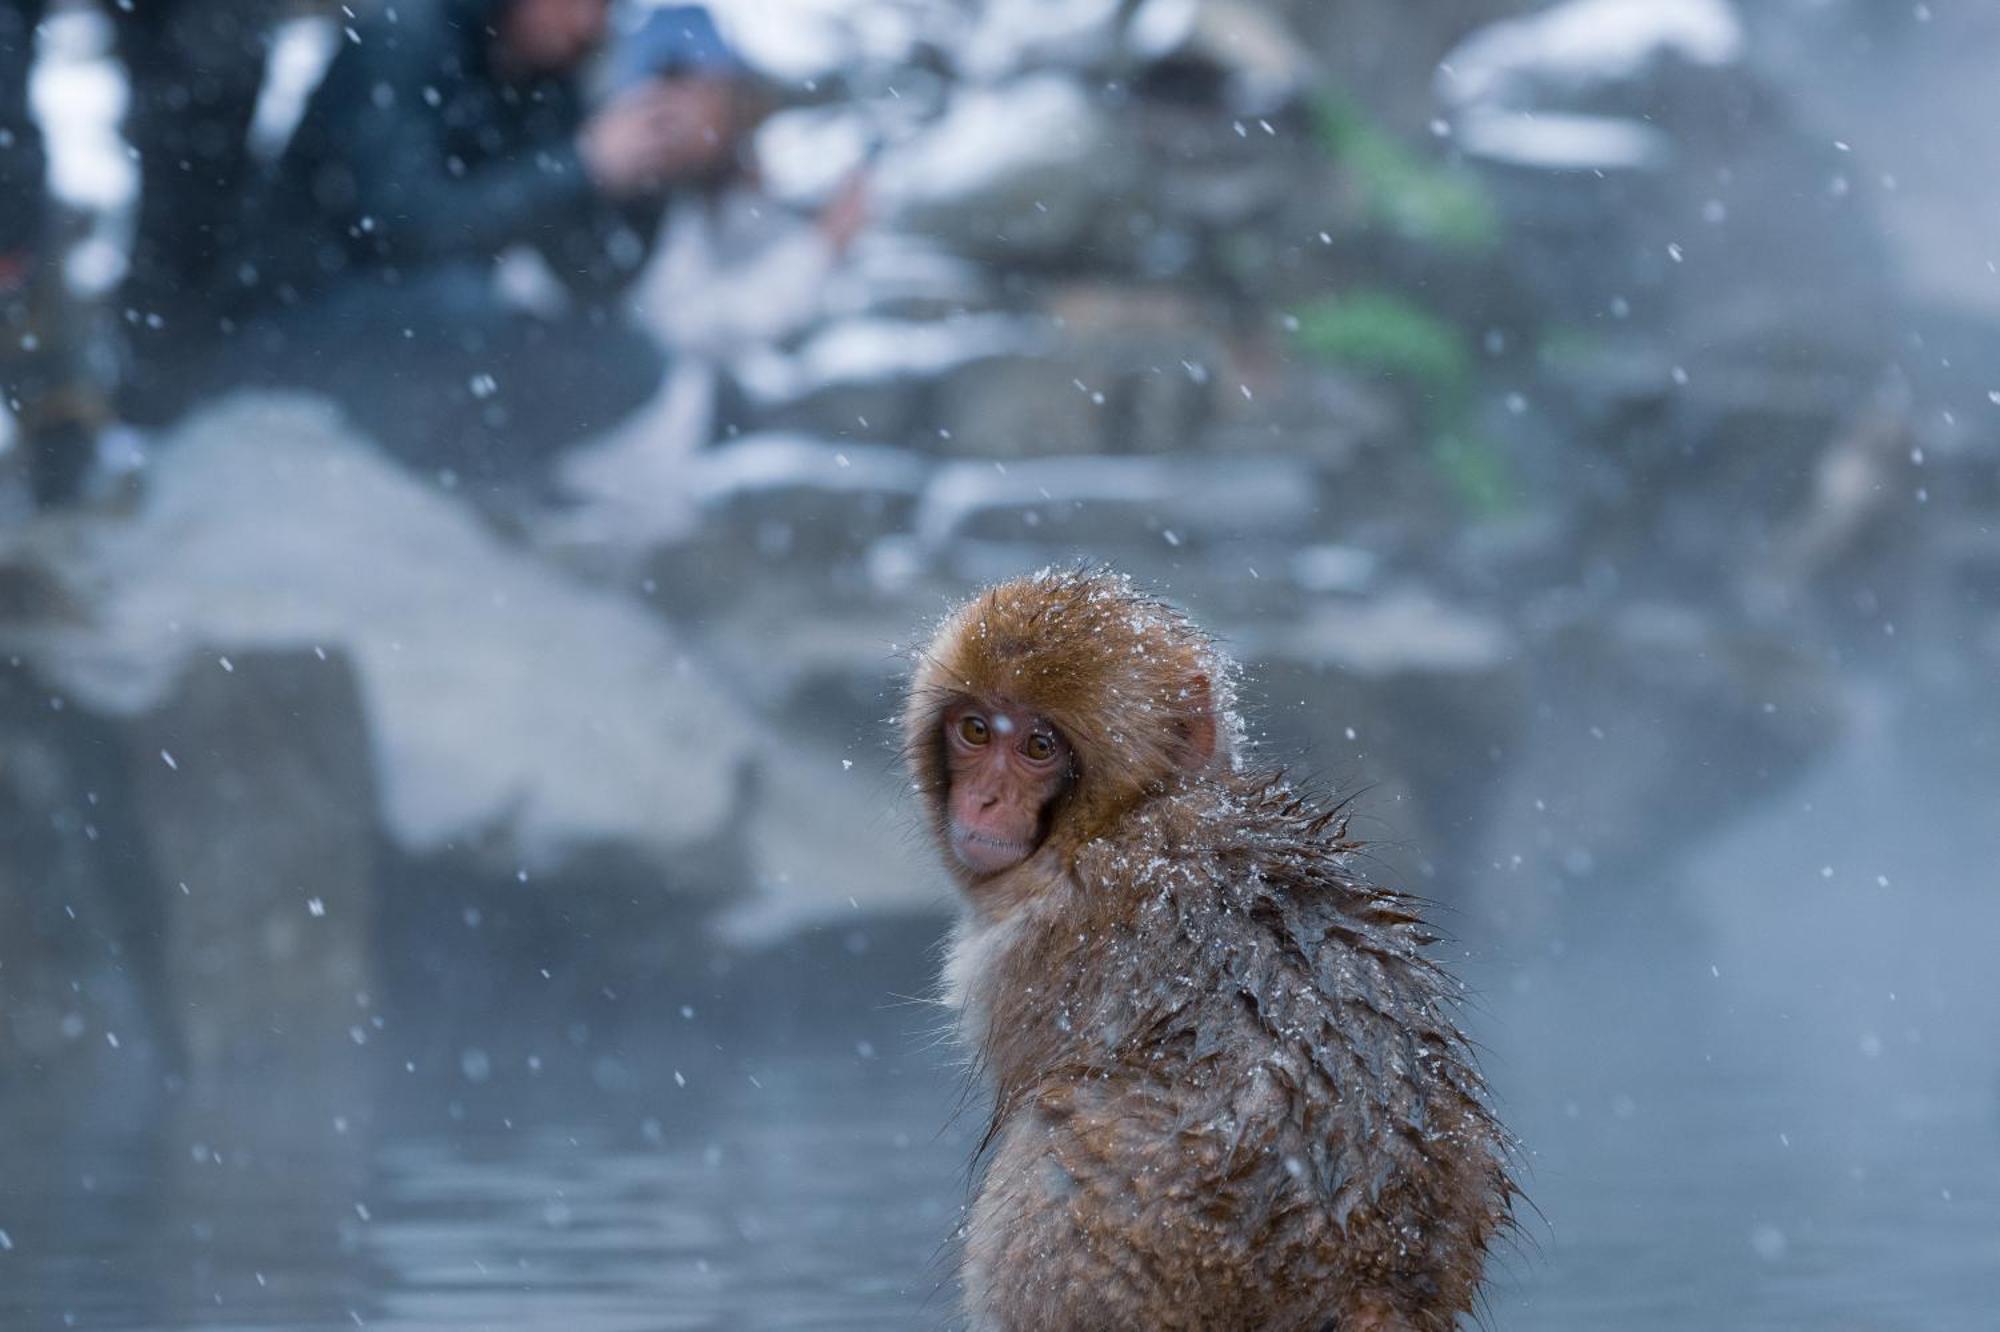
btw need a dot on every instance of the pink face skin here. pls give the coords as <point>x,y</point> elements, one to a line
<point>551,36</point>
<point>1006,764</point>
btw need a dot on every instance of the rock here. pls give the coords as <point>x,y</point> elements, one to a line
<point>1118,368</point>
<point>75,897</point>
<point>748,480</point>
<point>254,785</point>
<point>1582,49</point>
<point>870,378</point>
<point>1103,504</point>
<point>514,710</point>
<point>837,841</point>
<point>1679,475</point>
<point>1384,53</point>
<point>1005,37</point>
<point>193,885</point>
<point>790,506</point>
<point>602,936</point>
<point>1327,415</point>
<point>880,410</point>
<point>1020,406</point>
<point>1212,177</point>
<point>1255,63</point>
<point>1408,705</point>
<point>1146,351</point>
<point>1025,172</point>
<point>1651,172</point>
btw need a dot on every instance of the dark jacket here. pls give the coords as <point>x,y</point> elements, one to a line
<point>415,152</point>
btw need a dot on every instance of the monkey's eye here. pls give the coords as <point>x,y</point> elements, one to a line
<point>1040,748</point>
<point>973,730</point>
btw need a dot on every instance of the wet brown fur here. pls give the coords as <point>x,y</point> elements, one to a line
<point>1230,1091</point>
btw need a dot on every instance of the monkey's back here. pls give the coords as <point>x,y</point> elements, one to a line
<point>1231,1091</point>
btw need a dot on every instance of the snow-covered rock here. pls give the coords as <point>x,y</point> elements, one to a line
<point>1529,91</point>
<point>1585,43</point>
<point>508,703</point>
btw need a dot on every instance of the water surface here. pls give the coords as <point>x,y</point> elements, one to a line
<point>1768,1101</point>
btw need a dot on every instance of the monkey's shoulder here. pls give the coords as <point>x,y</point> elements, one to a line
<point>1254,844</point>
<point>1248,888</point>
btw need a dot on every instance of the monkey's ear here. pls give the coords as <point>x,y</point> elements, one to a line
<point>1197,724</point>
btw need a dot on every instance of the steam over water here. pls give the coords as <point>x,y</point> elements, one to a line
<point>1768,1099</point>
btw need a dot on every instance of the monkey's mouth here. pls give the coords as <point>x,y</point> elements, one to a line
<point>984,853</point>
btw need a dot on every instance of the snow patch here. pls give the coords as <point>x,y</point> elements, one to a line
<point>1233,495</point>
<point>874,350</point>
<point>1586,42</point>
<point>989,135</point>
<point>774,461</point>
<point>1554,141</point>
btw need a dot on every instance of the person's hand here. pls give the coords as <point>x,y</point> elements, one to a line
<point>657,133</point>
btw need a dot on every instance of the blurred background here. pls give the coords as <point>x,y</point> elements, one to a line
<point>474,470</point>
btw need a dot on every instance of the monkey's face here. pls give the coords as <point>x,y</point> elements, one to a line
<point>1006,767</point>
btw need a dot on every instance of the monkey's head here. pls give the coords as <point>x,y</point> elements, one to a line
<point>1046,707</point>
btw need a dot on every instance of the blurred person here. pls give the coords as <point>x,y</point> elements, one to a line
<point>193,69</point>
<point>53,411</point>
<point>444,138</point>
<point>196,68</point>
<point>22,171</point>
<point>22,165</point>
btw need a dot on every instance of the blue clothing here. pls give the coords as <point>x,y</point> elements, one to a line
<point>416,166</point>
<point>415,151</point>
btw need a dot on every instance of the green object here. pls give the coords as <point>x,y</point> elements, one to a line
<point>1476,472</point>
<point>1425,201</point>
<point>1390,335</point>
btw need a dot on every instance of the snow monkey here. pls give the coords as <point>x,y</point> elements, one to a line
<point>1229,1087</point>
